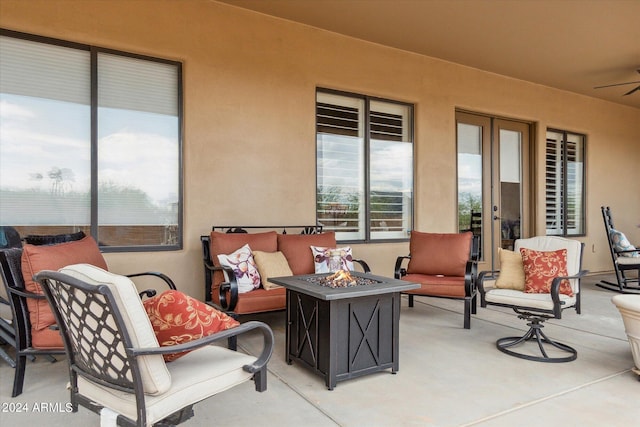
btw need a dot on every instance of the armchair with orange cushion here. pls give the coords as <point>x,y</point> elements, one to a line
<point>35,329</point>
<point>237,264</point>
<point>445,266</point>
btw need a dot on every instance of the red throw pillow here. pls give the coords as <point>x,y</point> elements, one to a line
<point>540,268</point>
<point>177,319</point>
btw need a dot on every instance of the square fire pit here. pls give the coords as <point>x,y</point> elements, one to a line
<point>343,331</point>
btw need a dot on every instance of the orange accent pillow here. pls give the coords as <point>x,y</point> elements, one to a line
<point>434,253</point>
<point>541,267</point>
<point>297,249</point>
<point>53,257</point>
<point>178,318</point>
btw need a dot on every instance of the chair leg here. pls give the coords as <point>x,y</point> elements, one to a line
<point>467,313</point>
<point>18,378</point>
<point>410,300</point>
<point>260,379</point>
<point>535,332</point>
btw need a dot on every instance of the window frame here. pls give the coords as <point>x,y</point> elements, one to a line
<point>366,124</point>
<point>93,52</point>
<point>563,161</point>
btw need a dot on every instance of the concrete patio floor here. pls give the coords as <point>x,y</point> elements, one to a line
<point>448,376</point>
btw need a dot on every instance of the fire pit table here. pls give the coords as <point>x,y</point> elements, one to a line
<point>343,329</point>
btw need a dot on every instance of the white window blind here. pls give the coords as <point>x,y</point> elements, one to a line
<point>356,135</point>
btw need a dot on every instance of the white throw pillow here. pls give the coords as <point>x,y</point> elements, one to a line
<point>244,268</point>
<point>321,257</point>
<point>621,243</point>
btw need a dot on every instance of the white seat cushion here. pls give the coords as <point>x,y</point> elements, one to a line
<point>628,260</point>
<point>155,375</point>
<point>523,299</point>
<point>196,376</point>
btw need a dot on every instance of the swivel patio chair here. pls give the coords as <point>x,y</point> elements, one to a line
<point>625,258</point>
<point>553,262</point>
<point>116,366</point>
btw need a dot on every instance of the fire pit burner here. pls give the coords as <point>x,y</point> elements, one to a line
<point>341,279</point>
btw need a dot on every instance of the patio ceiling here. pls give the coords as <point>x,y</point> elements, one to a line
<point>573,45</point>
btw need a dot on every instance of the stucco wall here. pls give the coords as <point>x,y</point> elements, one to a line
<point>249,124</point>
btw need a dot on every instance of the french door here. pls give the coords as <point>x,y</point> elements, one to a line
<point>493,182</point>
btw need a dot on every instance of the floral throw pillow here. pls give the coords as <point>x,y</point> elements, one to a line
<point>321,256</point>
<point>621,243</point>
<point>244,268</point>
<point>541,267</point>
<point>177,319</point>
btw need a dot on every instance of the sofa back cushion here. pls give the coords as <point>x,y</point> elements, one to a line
<point>439,253</point>
<point>297,249</point>
<point>53,257</point>
<point>227,243</point>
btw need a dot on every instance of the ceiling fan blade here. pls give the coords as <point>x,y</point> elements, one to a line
<point>632,90</point>
<point>616,84</point>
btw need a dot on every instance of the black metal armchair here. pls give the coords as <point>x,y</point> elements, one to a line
<point>18,332</point>
<point>128,378</point>
<point>625,259</point>
<point>536,308</point>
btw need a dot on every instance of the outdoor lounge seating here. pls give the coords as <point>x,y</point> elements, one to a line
<point>287,252</point>
<point>33,327</point>
<point>539,280</point>
<point>116,366</point>
<point>625,258</point>
<point>445,265</point>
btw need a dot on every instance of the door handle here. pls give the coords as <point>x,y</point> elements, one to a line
<point>495,217</point>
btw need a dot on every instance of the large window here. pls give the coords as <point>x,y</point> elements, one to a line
<point>364,166</point>
<point>90,139</point>
<point>564,167</point>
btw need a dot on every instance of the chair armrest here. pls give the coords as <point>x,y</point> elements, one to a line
<point>363,264</point>
<point>152,292</point>
<point>470,278</point>
<point>26,294</point>
<point>486,275</point>
<point>230,287</point>
<point>398,270</point>
<point>261,361</point>
<point>555,285</point>
<point>161,276</point>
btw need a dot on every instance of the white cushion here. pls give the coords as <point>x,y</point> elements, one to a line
<point>196,376</point>
<point>244,268</point>
<point>628,260</point>
<point>523,299</point>
<point>153,370</point>
<point>553,243</point>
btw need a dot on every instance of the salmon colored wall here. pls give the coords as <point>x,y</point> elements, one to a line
<point>249,138</point>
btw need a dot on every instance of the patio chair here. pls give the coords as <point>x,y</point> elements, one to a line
<point>551,269</point>
<point>625,258</point>
<point>116,367</point>
<point>445,265</point>
<point>20,332</point>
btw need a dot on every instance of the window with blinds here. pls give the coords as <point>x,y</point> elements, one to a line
<point>364,166</point>
<point>564,183</point>
<point>114,174</point>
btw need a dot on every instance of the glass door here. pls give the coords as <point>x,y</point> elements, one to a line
<point>493,190</point>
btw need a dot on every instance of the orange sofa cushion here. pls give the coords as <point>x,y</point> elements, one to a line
<point>178,318</point>
<point>297,249</point>
<point>439,253</point>
<point>262,300</point>
<point>53,257</point>
<point>444,286</point>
